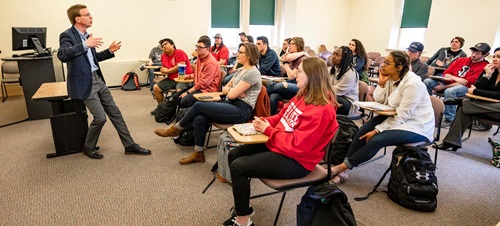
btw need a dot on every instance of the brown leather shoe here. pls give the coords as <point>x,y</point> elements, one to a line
<point>195,157</point>
<point>221,179</point>
<point>170,132</point>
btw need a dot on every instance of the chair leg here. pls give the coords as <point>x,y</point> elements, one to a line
<point>4,95</point>
<point>279,209</point>
<point>436,154</point>
<point>208,137</point>
<point>470,131</point>
<point>498,130</point>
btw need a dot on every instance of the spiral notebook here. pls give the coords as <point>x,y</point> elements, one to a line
<point>245,129</point>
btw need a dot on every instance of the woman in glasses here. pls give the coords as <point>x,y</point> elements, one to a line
<point>400,88</point>
<point>241,94</point>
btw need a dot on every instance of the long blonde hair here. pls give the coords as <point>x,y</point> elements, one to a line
<point>318,90</point>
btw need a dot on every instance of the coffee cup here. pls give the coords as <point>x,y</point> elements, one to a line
<point>181,70</point>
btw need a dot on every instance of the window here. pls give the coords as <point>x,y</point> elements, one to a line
<point>414,21</point>
<point>255,17</point>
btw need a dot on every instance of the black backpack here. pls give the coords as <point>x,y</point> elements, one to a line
<point>130,81</point>
<point>324,204</point>
<point>165,112</point>
<point>413,182</point>
<point>345,135</point>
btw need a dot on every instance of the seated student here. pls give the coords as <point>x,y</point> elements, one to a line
<point>269,63</point>
<point>284,47</point>
<point>241,95</point>
<point>230,73</point>
<point>344,81</point>
<point>219,50</point>
<point>417,66</point>
<point>294,147</point>
<point>249,39</point>
<point>288,89</point>
<point>402,89</point>
<point>170,59</point>
<point>463,72</point>
<point>359,57</point>
<point>154,59</point>
<point>446,55</point>
<point>488,85</point>
<point>206,77</point>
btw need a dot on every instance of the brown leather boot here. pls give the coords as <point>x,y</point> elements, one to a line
<point>170,132</point>
<point>195,157</point>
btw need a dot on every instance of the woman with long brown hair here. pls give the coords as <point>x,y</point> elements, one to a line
<point>294,147</point>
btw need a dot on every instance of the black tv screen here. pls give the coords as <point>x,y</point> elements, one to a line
<point>26,38</point>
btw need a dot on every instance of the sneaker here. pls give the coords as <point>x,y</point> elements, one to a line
<point>446,124</point>
<point>232,220</point>
<point>478,126</point>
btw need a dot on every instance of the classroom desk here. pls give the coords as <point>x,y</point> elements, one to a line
<point>213,96</point>
<point>482,98</point>
<point>68,120</point>
<point>183,80</point>
<point>152,67</point>
<point>380,112</point>
<point>252,139</point>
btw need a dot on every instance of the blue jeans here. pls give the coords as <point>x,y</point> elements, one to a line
<point>202,114</point>
<point>449,93</point>
<point>151,75</point>
<point>277,92</point>
<point>360,151</point>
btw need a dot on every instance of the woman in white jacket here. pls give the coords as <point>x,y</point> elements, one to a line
<point>403,90</point>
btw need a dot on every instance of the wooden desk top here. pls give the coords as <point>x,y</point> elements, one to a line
<point>51,91</point>
<point>441,78</point>
<point>152,67</point>
<point>159,73</point>
<point>273,78</point>
<point>184,80</point>
<point>144,61</point>
<point>253,139</point>
<point>482,98</point>
<point>215,96</point>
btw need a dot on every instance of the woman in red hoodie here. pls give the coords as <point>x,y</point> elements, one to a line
<point>297,136</point>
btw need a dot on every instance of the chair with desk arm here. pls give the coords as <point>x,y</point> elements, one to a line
<point>318,176</point>
<point>10,76</point>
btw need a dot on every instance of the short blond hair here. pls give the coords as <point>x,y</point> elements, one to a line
<point>74,11</point>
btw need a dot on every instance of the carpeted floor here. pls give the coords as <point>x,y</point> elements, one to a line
<point>155,190</point>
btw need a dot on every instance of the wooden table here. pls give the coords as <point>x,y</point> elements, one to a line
<point>213,96</point>
<point>380,112</point>
<point>68,120</point>
<point>252,139</point>
<point>482,98</point>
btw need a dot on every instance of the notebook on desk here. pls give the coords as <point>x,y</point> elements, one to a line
<point>245,129</point>
<point>373,106</point>
<point>441,78</point>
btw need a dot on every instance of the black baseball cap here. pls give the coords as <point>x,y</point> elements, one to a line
<point>481,47</point>
<point>242,33</point>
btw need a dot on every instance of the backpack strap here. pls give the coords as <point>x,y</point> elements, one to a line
<point>213,170</point>
<point>124,79</point>
<point>374,188</point>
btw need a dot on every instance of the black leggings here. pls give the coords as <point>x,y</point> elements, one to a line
<point>257,161</point>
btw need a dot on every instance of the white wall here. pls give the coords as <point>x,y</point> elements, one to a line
<point>371,22</point>
<point>138,24</point>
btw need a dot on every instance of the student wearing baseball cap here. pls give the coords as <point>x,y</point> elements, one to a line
<point>420,68</point>
<point>463,73</point>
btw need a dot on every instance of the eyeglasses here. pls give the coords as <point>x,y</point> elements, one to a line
<point>199,47</point>
<point>87,15</point>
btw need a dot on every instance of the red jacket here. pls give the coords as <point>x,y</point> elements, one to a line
<point>464,68</point>
<point>301,131</point>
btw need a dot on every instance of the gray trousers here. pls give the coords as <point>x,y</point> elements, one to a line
<point>100,103</point>
<point>463,118</point>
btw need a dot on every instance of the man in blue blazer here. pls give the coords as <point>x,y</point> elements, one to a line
<point>86,83</point>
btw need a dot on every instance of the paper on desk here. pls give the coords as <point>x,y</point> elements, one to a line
<point>245,129</point>
<point>272,78</point>
<point>373,105</point>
